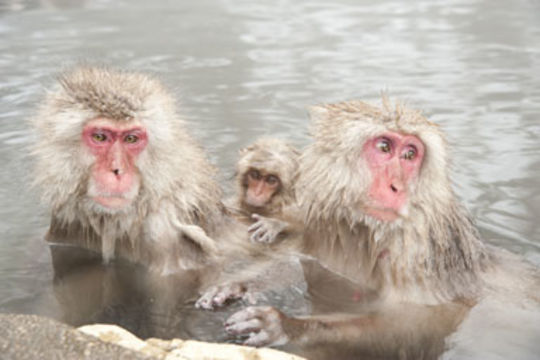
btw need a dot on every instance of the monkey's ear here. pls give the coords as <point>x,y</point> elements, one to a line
<point>318,112</point>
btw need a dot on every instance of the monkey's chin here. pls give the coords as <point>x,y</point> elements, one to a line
<point>112,202</point>
<point>382,214</point>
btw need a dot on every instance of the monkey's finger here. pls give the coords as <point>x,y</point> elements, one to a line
<point>234,291</point>
<point>254,226</point>
<point>243,315</point>
<point>221,298</point>
<point>264,238</point>
<point>256,216</point>
<point>208,294</point>
<point>243,327</point>
<point>268,238</point>
<point>205,301</point>
<point>256,236</point>
<point>260,338</point>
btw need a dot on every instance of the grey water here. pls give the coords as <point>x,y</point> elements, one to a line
<point>243,69</point>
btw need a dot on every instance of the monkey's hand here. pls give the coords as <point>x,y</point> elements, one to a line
<point>217,296</point>
<point>266,230</point>
<point>263,326</point>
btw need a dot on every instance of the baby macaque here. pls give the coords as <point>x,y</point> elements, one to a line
<point>265,189</point>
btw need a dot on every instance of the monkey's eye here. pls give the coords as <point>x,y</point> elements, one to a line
<point>254,174</point>
<point>384,145</point>
<point>272,180</point>
<point>99,137</point>
<point>131,139</point>
<point>410,154</point>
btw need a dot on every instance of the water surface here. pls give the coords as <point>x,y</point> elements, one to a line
<point>243,69</point>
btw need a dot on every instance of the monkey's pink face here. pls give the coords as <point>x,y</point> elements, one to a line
<point>394,160</point>
<point>260,187</point>
<point>114,181</point>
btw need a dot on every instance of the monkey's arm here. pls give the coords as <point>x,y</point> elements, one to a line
<point>388,330</point>
<point>199,236</point>
<point>251,282</point>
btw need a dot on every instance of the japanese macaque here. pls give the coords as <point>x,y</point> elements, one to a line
<point>265,195</point>
<point>121,174</point>
<point>379,209</point>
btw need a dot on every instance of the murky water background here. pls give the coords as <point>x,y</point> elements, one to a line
<point>242,69</point>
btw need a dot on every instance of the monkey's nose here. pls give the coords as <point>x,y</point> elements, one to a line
<point>397,187</point>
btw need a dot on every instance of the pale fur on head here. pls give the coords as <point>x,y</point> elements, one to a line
<point>434,247</point>
<point>276,157</point>
<point>174,172</point>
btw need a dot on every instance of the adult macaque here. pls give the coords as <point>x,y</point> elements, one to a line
<point>265,195</point>
<point>121,173</point>
<point>379,209</point>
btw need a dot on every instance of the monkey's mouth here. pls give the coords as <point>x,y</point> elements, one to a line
<point>112,202</point>
<point>382,213</point>
<point>112,198</point>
